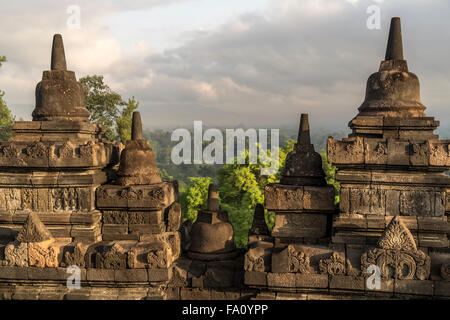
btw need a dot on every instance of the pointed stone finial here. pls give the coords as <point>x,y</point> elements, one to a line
<point>213,198</point>
<point>303,131</point>
<point>58,55</point>
<point>394,50</point>
<point>34,230</point>
<point>136,126</point>
<point>259,226</point>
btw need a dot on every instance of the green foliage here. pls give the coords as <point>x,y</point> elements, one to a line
<point>6,117</point>
<point>242,187</point>
<point>195,197</point>
<point>330,173</point>
<point>107,108</point>
<point>124,121</point>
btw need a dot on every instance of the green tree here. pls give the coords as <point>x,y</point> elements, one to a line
<point>195,197</point>
<point>103,104</point>
<point>6,117</point>
<point>241,187</point>
<point>330,174</point>
<point>123,122</point>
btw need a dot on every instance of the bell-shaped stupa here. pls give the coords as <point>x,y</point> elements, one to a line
<point>303,165</point>
<point>59,96</point>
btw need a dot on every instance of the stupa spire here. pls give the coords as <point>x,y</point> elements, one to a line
<point>136,126</point>
<point>213,198</point>
<point>58,55</point>
<point>303,131</point>
<point>394,50</point>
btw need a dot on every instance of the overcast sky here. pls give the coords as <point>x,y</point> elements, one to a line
<point>228,62</point>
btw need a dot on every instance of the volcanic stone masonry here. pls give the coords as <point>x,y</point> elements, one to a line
<point>69,199</point>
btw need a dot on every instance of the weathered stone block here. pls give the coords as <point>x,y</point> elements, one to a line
<point>398,152</point>
<point>420,154</point>
<point>442,288</point>
<point>318,198</point>
<point>151,197</point>
<point>100,275</point>
<point>19,273</point>
<point>344,200</point>
<point>347,283</point>
<point>283,280</point>
<point>417,203</point>
<point>283,197</point>
<point>434,240</point>
<point>368,201</point>
<point>416,287</point>
<point>114,228</point>
<point>392,202</point>
<point>296,225</point>
<point>159,275</point>
<point>347,151</point>
<point>311,281</point>
<point>195,294</point>
<point>255,278</point>
<point>146,228</point>
<point>130,275</point>
<point>173,217</point>
<point>375,151</point>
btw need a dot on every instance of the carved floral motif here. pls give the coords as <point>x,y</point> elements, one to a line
<point>298,261</point>
<point>41,257</point>
<point>397,254</point>
<point>253,262</point>
<point>16,254</point>
<point>445,271</point>
<point>115,258</point>
<point>157,259</point>
<point>75,258</point>
<point>37,150</point>
<point>335,265</point>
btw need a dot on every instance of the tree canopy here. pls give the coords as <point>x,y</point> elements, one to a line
<point>6,117</point>
<point>108,108</point>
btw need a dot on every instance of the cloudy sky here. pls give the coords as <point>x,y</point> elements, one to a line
<point>227,62</point>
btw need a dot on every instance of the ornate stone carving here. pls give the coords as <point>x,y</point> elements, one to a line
<point>445,271</point>
<point>115,258</point>
<point>116,217</point>
<point>131,193</point>
<point>380,150</point>
<point>397,254</point>
<point>87,150</point>
<point>13,199</point>
<point>336,264</point>
<point>34,230</point>
<point>29,199</point>
<point>417,203</point>
<point>10,151</point>
<point>75,258</point>
<point>136,218</point>
<point>36,150</point>
<point>66,150</point>
<point>16,254</point>
<point>367,201</point>
<point>157,259</point>
<point>41,257</point>
<point>298,261</point>
<point>254,260</point>
<point>66,199</point>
